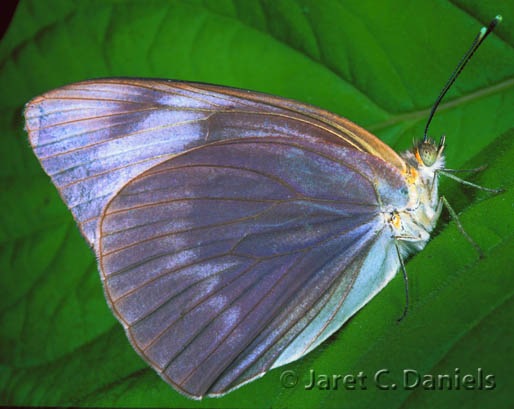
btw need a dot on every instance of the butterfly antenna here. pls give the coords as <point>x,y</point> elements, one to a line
<point>484,32</point>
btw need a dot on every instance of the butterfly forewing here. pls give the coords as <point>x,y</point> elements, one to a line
<point>94,136</point>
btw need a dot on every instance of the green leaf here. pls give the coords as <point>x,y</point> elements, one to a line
<point>380,64</point>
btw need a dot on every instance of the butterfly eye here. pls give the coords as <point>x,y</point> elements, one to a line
<point>428,152</point>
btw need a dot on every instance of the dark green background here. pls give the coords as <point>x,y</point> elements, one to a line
<point>381,64</point>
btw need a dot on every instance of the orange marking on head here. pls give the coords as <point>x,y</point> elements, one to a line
<point>418,157</point>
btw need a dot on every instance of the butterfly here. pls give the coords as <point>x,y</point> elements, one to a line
<point>235,231</point>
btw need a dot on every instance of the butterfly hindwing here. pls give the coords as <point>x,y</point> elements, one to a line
<point>219,259</point>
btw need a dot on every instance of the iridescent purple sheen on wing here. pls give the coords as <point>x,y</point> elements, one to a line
<point>235,231</point>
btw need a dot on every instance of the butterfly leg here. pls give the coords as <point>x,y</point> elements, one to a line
<point>438,212</point>
<point>448,173</point>
<point>454,216</point>
<point>474,170</point>
<point>405,280</point>
<point>465,182</point>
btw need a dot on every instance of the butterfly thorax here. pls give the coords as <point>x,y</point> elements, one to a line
<point>413,224</point>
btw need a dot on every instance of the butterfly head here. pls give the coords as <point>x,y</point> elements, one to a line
<point>427,152</point>
<point>424,159</point>
<point>426,156</point>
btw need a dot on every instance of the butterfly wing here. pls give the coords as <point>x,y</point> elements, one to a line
<point>243,255</point>
<point>235,231</point>
<point>93,137</point>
